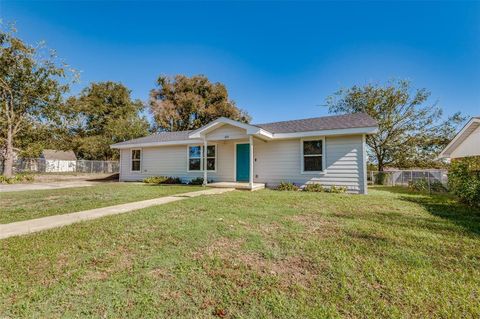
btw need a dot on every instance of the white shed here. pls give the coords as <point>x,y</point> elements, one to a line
<point>59,161</point>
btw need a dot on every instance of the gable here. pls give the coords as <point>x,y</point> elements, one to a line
<point>227,132</point>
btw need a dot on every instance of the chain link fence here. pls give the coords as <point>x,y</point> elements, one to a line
<point>408,177</point>
<point>40,165</point>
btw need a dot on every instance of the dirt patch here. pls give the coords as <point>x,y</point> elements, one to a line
<point>317,225</point>
<point>290,270</point>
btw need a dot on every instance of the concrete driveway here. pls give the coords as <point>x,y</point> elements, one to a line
<point>49,185</point>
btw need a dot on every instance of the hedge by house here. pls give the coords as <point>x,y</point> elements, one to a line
<point>464,179</point>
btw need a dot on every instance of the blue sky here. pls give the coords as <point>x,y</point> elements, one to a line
<point>279,60</point>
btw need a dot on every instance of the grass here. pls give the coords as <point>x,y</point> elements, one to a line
<point>265,254</point>
<point>17,206</point>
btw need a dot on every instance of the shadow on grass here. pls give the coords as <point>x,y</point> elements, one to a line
<point>442,205</point>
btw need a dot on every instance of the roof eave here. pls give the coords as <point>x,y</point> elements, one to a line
<point>369,130</point>
<point>446,152</point>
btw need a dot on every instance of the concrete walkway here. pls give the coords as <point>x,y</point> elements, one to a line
<point>49,185</point>
<point>39,224</point>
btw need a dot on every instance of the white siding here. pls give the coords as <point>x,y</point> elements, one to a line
<point>172,161</point>
<point>227,132</point>
<point>277,161</point>
<point>469,147</point>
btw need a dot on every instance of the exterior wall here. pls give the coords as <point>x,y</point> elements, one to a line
<point>60,166</point>
<point>227,132</point>
<point>274,161</point>
<point>172,161</point>
<point>469,147</point>
<point>277,161</point>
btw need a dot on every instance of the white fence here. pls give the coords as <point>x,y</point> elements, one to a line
<point>40,165</point>
<point>406,177</point>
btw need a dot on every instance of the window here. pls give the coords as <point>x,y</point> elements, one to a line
<point>313,156</point>
<point>136,155</point>
<point>211,154</point>
<point>195,158</point>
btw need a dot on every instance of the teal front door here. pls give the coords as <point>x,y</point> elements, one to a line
<point>243,162</point>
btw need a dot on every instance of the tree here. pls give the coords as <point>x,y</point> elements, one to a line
<point>411,132</point>
<point>103,114</point>
<point>32,82</point>
<point>185,103</point>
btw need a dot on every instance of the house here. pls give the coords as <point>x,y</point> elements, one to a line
<point>327,150</point>
<point>465,143</point>
<point>59,161</point>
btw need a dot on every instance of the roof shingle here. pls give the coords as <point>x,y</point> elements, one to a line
<point>320,123</point>
<point>304,125</point>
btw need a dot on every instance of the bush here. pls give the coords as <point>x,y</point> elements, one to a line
<point>155,180</point>
<point>464,179</point>
<point>196,181</point>
<point>19,178</point>
<point>381,178</point>
<point>314,188</point>
<point>162,180</point>
<point>337,189</point>
<point>421,185</point>
<point>287,186</point>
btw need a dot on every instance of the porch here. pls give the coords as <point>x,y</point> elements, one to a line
<point>237,185</point>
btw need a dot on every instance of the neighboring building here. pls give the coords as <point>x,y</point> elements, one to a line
<point>59,161</point>
<point>327,150</point>
<point>466,142</point>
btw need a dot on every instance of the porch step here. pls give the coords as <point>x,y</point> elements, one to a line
<point>237,185</point>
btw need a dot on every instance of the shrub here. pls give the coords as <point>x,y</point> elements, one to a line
<point>314,188</point>
<point>196,181</point>
<point>464,179</point>
<point>155,180</point>
<point>19,178</point>
<point>162,180</point>
<point>287,186</point>
<point>381,178</point>
<point>337,189</point>
<point>421,185</point>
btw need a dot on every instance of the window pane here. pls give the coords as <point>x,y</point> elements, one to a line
<point>194,152</point>
<point>312,163</point>
<point>136,154</point>
<point>210,164</point>
<point>135,165</point>
<point>312,147</point>
<point>211,151</point>
<point>194,164</point>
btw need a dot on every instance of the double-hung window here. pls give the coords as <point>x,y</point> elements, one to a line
<point>195,158</point>
<point>312,156</point>
<point>136,160</point>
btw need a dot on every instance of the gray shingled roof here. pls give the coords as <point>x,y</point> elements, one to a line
<point>59,155</point>
<point>304,125</point>
<point>320,123</point>
<point>159,137</point>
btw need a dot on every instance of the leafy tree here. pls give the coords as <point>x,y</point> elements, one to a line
<point>187,103</point>
<point>411,132</point>
<point>101,115</point>
<point>32,82</point>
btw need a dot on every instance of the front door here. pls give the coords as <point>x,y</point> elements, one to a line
<point>243,162</point>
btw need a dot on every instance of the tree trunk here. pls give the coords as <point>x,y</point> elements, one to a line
<point>8,164</point>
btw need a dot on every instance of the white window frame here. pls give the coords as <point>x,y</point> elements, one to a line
<point>202,167</point>
<point>302,163</point>
<point>140,160</point>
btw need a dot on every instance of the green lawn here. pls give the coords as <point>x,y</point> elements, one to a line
<point>254,255</point>
<point>16,206</point>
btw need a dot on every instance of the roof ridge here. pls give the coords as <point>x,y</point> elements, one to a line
<point>310,118</point>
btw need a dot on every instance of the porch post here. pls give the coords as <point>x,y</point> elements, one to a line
<point>250,179</point>
<point>205,161</point>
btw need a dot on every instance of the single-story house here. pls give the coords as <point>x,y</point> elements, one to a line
<point>465,143</point>
<point>59,161</point>
<point>327,150</point>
